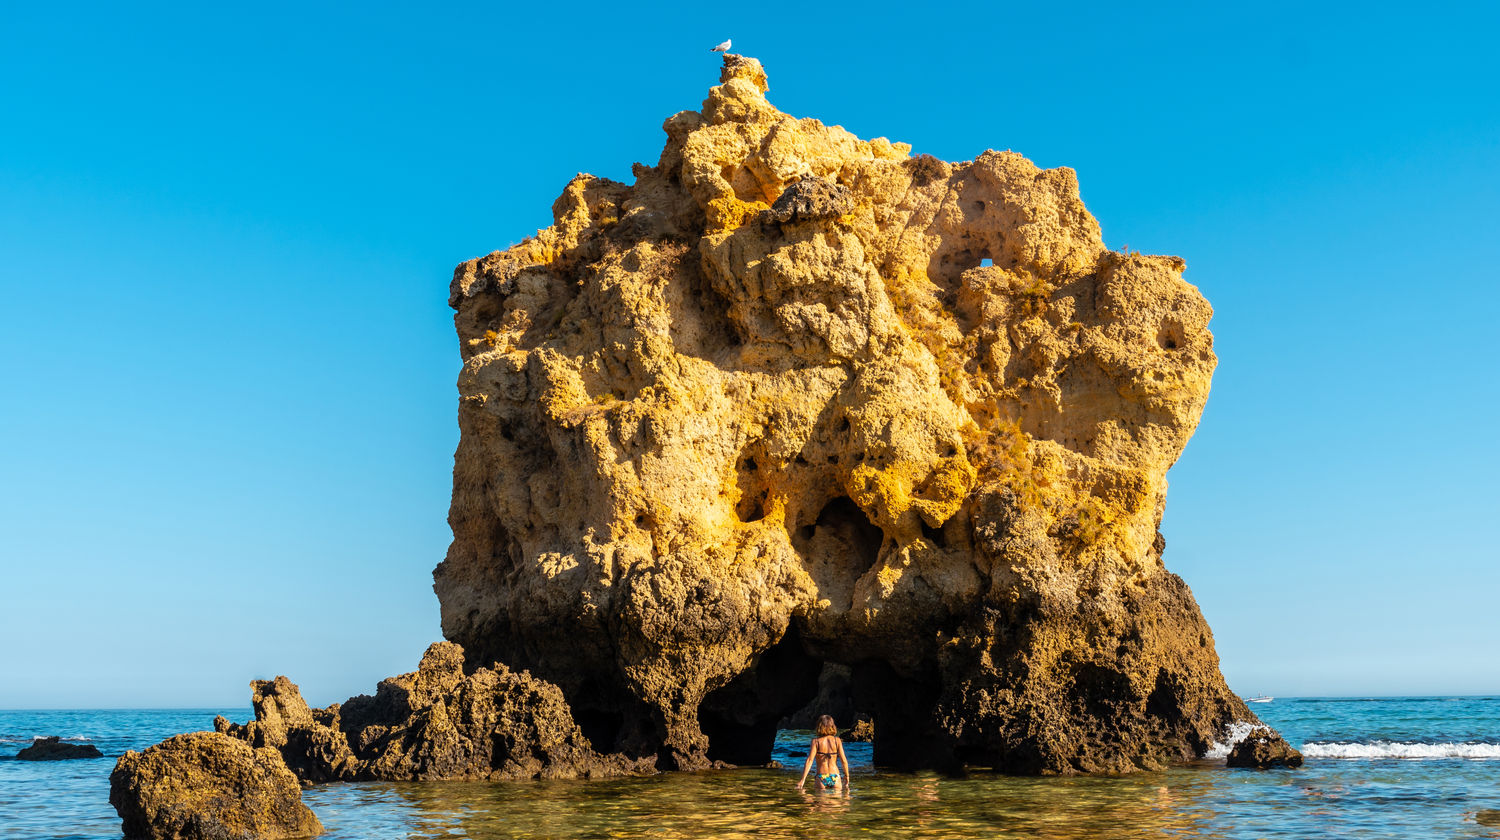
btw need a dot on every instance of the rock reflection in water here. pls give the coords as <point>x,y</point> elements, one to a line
<point>1376,800</point>
<point>762,804</point>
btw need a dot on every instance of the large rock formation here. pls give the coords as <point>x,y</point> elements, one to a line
<point>434,723</point>
<point>208,786</point>
<point>794,397</point>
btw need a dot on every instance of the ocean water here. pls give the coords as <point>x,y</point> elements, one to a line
<point>1376,768</point>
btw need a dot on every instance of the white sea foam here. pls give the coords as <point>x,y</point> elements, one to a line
<point>1399,749</point>
<point>1237,732</point>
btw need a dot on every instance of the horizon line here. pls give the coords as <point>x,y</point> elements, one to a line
<point>1274,698</point>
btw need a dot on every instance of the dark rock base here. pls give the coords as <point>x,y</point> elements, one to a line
<point>53,749</point>
<point>1264,749</point>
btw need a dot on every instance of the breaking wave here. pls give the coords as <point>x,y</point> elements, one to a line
<point>1399,749</point>
<point>1237,732</point>
<point>16,739</point>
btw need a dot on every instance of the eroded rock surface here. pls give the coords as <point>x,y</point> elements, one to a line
<point>796,398</point>
<point>208,786</point>
<point>1263,749</point>
<point>862,730</point>
<point>434,723</point>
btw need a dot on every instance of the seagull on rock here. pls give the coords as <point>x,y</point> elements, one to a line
<point>724,47</point>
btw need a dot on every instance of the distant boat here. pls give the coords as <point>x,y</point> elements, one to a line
<point>1261,699</point>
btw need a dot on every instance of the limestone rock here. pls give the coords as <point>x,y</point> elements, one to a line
<point>811,199</point>
<point>863,730</point>
<point>52,748</point>
<point>795,398</point>
<point>434,723</point>
<point>1262,749</point>
<point>208,786</point>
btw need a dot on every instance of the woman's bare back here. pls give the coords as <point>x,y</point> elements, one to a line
<point>827,750</point>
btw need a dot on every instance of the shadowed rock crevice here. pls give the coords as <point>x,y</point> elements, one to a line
<point>835,698</point>
<point>906,735</point>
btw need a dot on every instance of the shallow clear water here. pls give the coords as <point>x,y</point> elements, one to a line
<point>1380,768</point>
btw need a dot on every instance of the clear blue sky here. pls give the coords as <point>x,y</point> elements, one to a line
<point>228,415</point>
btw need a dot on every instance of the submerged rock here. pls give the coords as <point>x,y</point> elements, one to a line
<point>208,786</point>
<point>796,398</point>
<point>1263,749</point>
<point>52,748</point>
<point>434,723</point>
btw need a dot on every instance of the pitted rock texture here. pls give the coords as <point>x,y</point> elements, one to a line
<point>434,723</point>
<point>208,786</point>
<point>796,398</point>
<point>1263,749</point>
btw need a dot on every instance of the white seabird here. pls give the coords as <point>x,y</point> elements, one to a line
<point>724,47</point>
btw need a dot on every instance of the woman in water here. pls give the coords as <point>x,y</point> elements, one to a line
<point>826,749</point>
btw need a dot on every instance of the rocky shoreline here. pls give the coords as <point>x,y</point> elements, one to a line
<point>435,723</point>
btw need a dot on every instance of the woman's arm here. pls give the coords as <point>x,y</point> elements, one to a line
<point>845,759</point>
<point>806,766</point>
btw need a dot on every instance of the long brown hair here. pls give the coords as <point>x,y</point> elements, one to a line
<point>826,726</point>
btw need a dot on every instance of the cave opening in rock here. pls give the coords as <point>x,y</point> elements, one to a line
<point>740,717</point>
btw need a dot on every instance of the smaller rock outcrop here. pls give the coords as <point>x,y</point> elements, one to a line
<point>1263,749</point>
<point>811,199</point>
<point>208,786</point>
<point>863,731</point>
<point>434,723</point>
<point>52,748</point>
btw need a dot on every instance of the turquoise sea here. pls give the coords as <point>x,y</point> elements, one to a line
<point>1377,768</point>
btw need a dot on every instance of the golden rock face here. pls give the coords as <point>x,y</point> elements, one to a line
<point>796,398</point>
